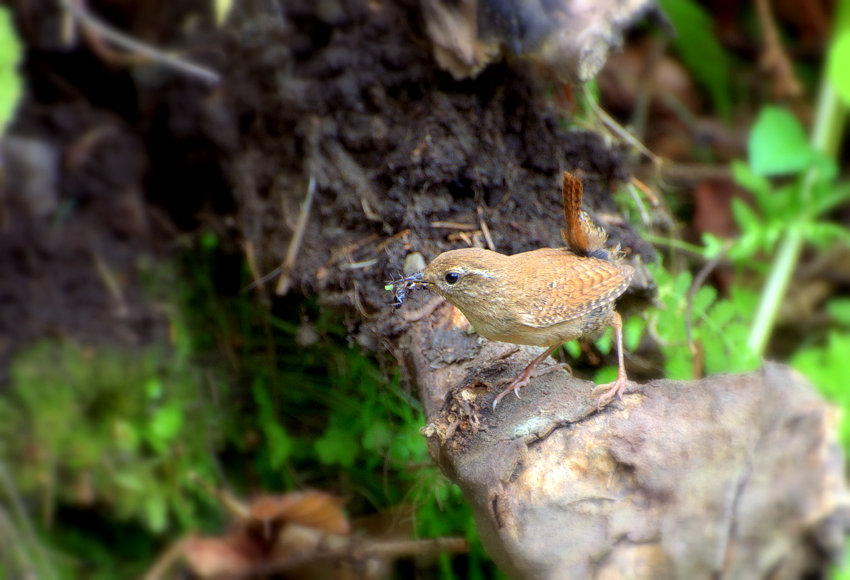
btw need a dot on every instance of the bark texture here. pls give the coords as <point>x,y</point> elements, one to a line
<point>733,476</point>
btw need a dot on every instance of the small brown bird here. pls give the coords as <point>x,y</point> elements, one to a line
<point>543,297</point>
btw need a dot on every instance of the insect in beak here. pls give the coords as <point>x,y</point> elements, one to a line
<point>402,287</point>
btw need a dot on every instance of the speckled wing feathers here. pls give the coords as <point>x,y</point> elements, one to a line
<point>564,287</point>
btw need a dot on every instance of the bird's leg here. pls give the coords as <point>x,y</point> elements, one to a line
<point>608,391</point>
<point>529,373</point>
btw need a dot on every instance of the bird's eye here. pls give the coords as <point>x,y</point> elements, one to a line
<point>452,277</point>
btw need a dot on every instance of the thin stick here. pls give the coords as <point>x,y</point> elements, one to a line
<point>454,226</point>
<point>774,59</point>
<point>234,507</point>
<point>697,283</point>
<point>484,229</point>
<point>111,284</point>
<point>250,258</point>
<point>619,131</point>
<point>96,25</point>
<point>295,243</point>
<point>356,550</point>
<point>644,215</point>
<point>646,190</point>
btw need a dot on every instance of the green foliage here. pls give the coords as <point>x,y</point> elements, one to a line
<point>322,415</point>
<point>106,426</point>
<point>778,145</point>
<point>777,210</point>
<point>700,50</point>
<point>11,86</point>
<point>826,366</point>
<point>718,328</point>
<point>786,216</point>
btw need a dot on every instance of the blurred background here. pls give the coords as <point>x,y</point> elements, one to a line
<point>201,202</point>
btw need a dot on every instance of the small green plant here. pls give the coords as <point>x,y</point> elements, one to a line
<point>96,426</point>
<point>115,431</point>
<point>795,185</point>
<point>718,328</point>
<point>320,413</point>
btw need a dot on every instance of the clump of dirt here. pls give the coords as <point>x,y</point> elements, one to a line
<point>73,225</point>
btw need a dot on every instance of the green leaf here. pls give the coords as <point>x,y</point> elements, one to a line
<point>700,50</point>
<point>722,312</point>
<point>680,366</point>
<point>824,234</point>
<point>759,185</point>
<point>838,65</point>
<point>377,436</point>
<point>337,447</point>
<point>778,144</point>
<point>828,195</point>
<point>703,299</point>
<point>839,310</point>
<point>209,241</point>
<point>10,79</point>
<point>605,375</point>
<point>604,342</point>
<point>157,513</point>
<point>153,388</point>
<point>682,285</point>
<point>633,329</point>
<point>573,348</point>
<point>128,480</point>
<point>280,445</point>
<point>164,426</point>
<point>825,367</point>
<point>744,215</point>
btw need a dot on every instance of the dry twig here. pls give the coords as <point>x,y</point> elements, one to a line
<point>774,59</point>
<point>95,27</point>
<point>484,229</point>
<point>295,243</point>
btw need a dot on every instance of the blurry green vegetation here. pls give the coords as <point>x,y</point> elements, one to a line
<point>796,189</point>
<point>315,412</point>
<point>109,437</point>
<point>111,431</point>
<point>242,399</point>
<point>110,428</point>
<point>722,329</point>
<point>11,85</point>
<point>700,50</point>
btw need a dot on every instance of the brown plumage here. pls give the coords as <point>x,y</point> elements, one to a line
<point>543,297</point>
<point>539,297</point>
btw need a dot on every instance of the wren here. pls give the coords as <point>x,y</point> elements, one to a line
<point>543,297</point>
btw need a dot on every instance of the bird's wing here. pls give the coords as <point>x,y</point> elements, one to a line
<point>564,287</point>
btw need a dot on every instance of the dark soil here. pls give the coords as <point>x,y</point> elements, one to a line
<point>346,93</point>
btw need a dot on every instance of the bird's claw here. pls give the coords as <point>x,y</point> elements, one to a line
<point>515,386</point>
<point>610,391</point>
<point>524,378</point>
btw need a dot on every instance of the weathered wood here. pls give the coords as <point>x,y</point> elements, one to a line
<point>734,476</point>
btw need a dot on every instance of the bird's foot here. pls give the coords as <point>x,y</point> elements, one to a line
<point>525,377</point>
<point>609,391</point>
